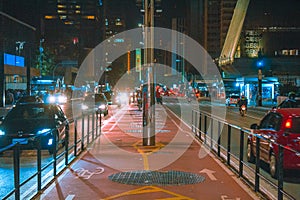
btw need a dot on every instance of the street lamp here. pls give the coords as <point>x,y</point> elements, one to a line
<point>20,46</point>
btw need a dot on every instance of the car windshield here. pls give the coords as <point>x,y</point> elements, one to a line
<point>290,104</point>
<point>235,97</point>
<point>29,112</point>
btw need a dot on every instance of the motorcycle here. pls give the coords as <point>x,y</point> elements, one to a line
<point>243,110</point>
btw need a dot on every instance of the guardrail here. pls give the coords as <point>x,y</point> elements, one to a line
<point>85,129</point>
<point>228,141</point>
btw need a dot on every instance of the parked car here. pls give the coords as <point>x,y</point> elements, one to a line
<point>29,99</point>
<point>95,102</point>
<point>278,127</point>
<point>289,103</point>
<point>232,100</point>
<point>26,123</point>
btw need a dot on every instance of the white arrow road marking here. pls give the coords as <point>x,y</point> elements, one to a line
<point>70,197</point>
<point>209,174</point>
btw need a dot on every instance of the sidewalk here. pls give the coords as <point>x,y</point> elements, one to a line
<point>118,166</point>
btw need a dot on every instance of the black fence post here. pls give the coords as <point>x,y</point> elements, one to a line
<point>75,137</point>
<point>280,172</point>
<point>82,133</point>
<point>39,165</point>
<point>228,144</point>
<point>88,129</point>
<point>67,146</point>
<point>54,154</point>
<point>219,138</point>
<point>205,128</point>
<point>211,132</point>
<point>17,171</point>
<point>93,126</point>
<point>200,125</point>
<point>241,153</point>
<point>257,166</point>
<point>193,129</point>
<point>97,124</point>
<point>100,127</point>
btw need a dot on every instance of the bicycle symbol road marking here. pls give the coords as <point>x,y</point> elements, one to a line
<point>86,174</point>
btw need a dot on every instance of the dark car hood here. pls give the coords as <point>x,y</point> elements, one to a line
<point>26,126</point>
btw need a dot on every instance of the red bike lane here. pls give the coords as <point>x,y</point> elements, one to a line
<point>117,166</point>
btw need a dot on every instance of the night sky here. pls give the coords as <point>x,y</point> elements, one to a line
<point>274,12</point>
<point>264,12</point>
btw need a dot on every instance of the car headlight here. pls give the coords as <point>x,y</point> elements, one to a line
<point>62,99</point>
<point>102,107</point>
<point>52,99</point>
<point>84,107</point>
<point>2,132</point>
<point>45,130</point>
<point>123,96</point>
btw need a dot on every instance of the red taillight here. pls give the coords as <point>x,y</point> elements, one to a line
<point>288,123</point>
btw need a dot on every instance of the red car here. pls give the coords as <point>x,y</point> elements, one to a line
<point>278,127</point>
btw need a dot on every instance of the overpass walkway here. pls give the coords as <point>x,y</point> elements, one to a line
<point>117,166</point>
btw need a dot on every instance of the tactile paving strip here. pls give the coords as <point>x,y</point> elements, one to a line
<point>147,177</point>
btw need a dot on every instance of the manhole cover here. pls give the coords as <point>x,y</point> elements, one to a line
<point>156,178</point>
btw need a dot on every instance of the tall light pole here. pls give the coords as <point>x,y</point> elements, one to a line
<point>149,101</point>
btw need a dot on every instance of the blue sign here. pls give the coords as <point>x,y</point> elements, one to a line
<point>14,60</point>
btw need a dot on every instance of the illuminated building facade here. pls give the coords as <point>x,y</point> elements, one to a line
<point>208,22</point>
<point>71,28</point>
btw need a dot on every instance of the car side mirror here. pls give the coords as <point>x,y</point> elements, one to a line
<point>254,126</point>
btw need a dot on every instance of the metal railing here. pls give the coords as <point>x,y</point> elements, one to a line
<point>90,124</point>
<point>229,143</point>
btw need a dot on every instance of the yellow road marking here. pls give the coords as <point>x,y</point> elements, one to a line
<point>145,151</point>
<point>149,189</point>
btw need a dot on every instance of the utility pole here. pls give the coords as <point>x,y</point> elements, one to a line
<point>149,101</point>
